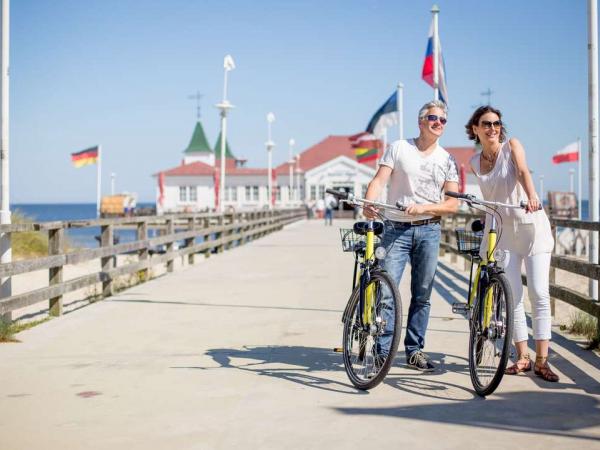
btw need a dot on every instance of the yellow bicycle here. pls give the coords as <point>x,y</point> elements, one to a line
<point>373,315</point>
<point>489,306</point>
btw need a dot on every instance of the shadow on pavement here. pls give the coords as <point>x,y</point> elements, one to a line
<point>550,413</point>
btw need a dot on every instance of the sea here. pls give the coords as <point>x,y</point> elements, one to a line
<point>89,237</point>
<point>77,237</point>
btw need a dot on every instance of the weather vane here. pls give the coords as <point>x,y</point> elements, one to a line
<point>196,97</point>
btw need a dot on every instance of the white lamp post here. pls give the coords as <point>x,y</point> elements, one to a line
<point>291,164</point>
<point>113,176</point>
<point>270,144</point>
<point>5,215</point>
<point>571,176</point>
<point>224,106</point>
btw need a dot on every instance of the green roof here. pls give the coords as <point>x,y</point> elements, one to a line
<point>228,153</point>
<point>198,144</point>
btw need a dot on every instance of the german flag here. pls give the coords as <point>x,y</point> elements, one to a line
<point>85,157</point>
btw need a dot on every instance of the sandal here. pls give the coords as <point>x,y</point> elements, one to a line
<point>522,365</point>
<point>542,369</point>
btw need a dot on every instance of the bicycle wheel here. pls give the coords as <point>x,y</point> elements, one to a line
<point>489,346</point>
<point>369,350</point>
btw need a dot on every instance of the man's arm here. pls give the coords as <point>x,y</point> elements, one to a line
<point>448,206</point>
<point>375,188</point>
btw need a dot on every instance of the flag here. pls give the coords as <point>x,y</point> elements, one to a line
<point>366,146</point>
<point>85,157</point>
<point>161,188</point>
<point>385,117</point>
<point>274,186</point>
<point>568,154</point>
<point>427,73</point>
<point>228,63</point>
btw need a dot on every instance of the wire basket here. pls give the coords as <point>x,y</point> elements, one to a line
<point>352,240</point>
<point>468,242</point>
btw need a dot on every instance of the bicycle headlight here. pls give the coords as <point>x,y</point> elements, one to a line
<point>380,253</point>
<point>499,255</point>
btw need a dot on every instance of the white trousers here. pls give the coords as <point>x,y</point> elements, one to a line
<point>537,268</point>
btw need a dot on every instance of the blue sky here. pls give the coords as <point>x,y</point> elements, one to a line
<point>119,73</point>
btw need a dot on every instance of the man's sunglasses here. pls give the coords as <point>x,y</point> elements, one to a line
<point>433,118</point>
<point>487,124</point>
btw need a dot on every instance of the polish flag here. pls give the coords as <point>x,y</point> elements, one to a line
<point>568,154</point>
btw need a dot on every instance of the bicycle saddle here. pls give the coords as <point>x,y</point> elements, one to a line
<point>361,228</point>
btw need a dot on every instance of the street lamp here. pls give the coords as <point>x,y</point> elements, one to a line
<point>291,164</point>
<point>112,183</point>
<point>270,144</point>
<point>224,106</point>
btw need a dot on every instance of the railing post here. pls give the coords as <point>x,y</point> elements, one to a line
<point>206,237</point>
<point>171,244</point>
<point>55,274</point>
<point>442,251</point>
<point>107,262</point>
<point>221,223</point>
<point>143,254</point>
<point>189,242</point>
<point>452,239</point>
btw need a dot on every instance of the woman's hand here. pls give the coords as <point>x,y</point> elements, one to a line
<point>370,212</point>
<point>533,205</point>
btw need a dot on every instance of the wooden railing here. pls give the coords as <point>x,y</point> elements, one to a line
<point>568,263</point>
<point>218,232</point>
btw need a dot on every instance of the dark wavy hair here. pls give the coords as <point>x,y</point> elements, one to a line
<point>474,120</point>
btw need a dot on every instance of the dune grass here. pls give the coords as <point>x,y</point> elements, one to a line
<point>586,325</point>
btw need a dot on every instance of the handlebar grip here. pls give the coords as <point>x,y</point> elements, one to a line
<point>338,194</point>
<point>523,204</point>
<point>400,206</point>
<point>453,194</point>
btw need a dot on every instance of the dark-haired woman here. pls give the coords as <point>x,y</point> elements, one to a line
<point>503,176</point>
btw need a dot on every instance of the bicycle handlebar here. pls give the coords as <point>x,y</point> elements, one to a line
<point>357,200</point>
<point>469,198</point>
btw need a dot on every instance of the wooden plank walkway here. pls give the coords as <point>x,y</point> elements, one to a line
<point>235,352</point>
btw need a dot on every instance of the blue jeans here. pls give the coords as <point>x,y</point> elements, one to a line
<point>419,245</point>
<point>328,216</point>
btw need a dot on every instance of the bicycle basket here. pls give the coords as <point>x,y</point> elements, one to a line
<point>350,239</point>
<point>468,242</point>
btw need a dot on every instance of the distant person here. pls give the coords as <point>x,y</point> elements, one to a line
<point>418,170</point>
<point>502,173</point>
<point>320,208</point>
<point>330,204</point>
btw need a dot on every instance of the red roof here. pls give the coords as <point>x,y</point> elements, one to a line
<point>329,148</point>
<point>200,168</point>
<point>462,155</point>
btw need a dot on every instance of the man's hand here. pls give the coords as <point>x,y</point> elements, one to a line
<point>416,210</point>
<point>370,212</point>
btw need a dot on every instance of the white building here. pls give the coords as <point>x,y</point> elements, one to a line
<point>331,163</point>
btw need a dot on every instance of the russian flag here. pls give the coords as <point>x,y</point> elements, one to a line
<point>427,73</point>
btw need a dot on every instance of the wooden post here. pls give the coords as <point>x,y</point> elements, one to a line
<point>206,237</point>
<point>143,254</point>
<point>170,245</point>
<point>55,274</point>
<point>107,262</point>
<point>189,242</point>
<point>452,239</point>
<point>221,222</point>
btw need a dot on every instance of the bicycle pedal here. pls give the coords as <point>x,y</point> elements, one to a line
<point>338,349</point>
<point>460,308</point>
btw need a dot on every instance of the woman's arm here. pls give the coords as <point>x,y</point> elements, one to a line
<point>523,175</point>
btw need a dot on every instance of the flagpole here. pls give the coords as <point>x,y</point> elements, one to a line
<point>579,175</point>
<point>435,10</point>
<point>400,105</point>
<point>99,181</point>
<point>5,215</point>
<point>594,186</point>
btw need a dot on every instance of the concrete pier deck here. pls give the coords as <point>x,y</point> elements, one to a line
<point>236,352</point>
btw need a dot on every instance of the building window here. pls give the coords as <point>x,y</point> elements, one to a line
<point>233,193</point>
<point>182,193</point>
<point>193,193</point>
<point>321,191</point>
<point>313,192</point>
<point>255,193</point>
<point>277,193</point>
<point>248,193</point>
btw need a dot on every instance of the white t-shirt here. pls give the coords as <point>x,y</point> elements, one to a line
<point>415,178</point>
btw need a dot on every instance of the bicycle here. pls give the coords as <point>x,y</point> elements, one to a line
<point>372,317</point>
<point>489,306</point>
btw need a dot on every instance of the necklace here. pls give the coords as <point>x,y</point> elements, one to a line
<point>492,158</point>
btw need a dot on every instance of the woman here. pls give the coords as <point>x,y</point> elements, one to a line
<point>503,176</point>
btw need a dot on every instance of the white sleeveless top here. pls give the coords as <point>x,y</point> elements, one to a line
<point>522,232</point>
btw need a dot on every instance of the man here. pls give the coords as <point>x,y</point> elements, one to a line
<point>419,171</point>
<point>330,203</point>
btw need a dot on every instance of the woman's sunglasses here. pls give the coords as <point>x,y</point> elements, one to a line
<point>487,124</point>
<point>433,118</point>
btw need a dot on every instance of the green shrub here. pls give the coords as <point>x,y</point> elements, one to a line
<point>586,325</point>
<point>27,244</point>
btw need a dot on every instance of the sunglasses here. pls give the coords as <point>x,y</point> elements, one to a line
<point>487,124</point>
<point>433,118</point>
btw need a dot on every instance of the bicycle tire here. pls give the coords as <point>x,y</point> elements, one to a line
<point>364,367</point>
<point>486,373</point>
